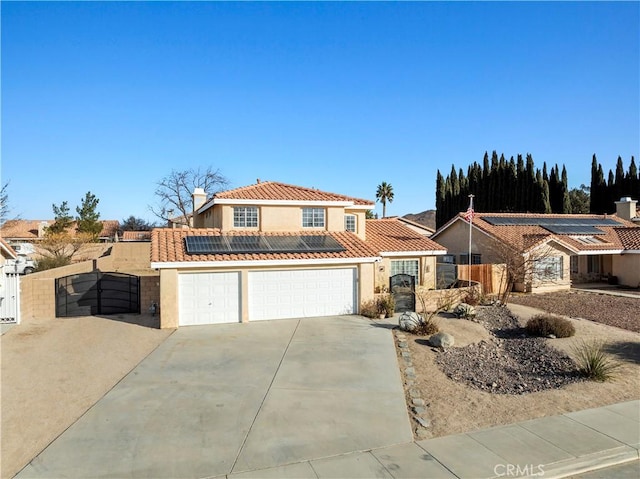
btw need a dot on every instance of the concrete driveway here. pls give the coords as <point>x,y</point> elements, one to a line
<point>212,400</point>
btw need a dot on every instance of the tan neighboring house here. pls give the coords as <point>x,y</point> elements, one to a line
<point>135,236</point>
<point>415,226</point>
<point>32,231</point>
<point>274,251</point>
<point>559,249</point>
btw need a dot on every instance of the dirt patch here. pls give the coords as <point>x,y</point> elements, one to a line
<point>454,404</point>
<point>53,370</point>
<point>618,311</point>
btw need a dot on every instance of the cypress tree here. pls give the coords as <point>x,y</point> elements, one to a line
<point>566,199</point>
<point>595,186</point>
<point>440,205</point>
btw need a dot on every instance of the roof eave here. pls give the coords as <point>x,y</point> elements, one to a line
<point>253,263</point>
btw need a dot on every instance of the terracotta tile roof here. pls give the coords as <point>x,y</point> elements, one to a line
<point>388,235</point>
<point>167,245</point>
<point>271,190</point>
<point>28,229</point>
<point>136,235</point>
<point>524,237</point>
<point>629,237</point>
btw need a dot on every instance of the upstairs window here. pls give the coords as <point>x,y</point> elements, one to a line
<point>350,223</point>
<point>313,217</point>
<point>245,217</point>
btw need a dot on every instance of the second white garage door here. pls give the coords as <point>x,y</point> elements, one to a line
<point>301,293</point>
<point>208,298</point>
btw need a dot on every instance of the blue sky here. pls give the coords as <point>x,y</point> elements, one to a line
<point>109,97</point>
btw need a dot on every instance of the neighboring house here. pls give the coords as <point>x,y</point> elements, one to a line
<point>417,227</point>
<point>32,231</point>
<point>136,236</point>
<point>7,252</point>
<point>9,285</point>
<point>273,251</point>
<point>558,249</point>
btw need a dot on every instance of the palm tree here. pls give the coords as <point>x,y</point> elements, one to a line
<point>384,194</point>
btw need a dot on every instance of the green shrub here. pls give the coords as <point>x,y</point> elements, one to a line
<point>593,362</point>
<point>50,262</point>
<point>386,305</point>
<point>549,324</point>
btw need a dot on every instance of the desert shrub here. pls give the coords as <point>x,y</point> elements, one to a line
<point>50,262</point>
<point>549,324</point>
<point>427,328</point>
<point>593,362</point>
<point>473,297</point>
<point>386,305</point>
<point>464,310</point>
<point>369,309</point>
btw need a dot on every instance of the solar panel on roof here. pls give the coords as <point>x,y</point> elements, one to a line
<point>544,222</point>
<point>261,244</point>
<point>205,244</point>
<point>574,230</point>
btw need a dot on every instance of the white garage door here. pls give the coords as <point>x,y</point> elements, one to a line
<point>301,293</point>
<point>209,298</point>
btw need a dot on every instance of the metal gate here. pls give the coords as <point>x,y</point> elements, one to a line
<point>9,298</point>
<point>94,293</point>
<point>403,287</point>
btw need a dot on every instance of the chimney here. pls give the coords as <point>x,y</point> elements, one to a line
<point>626,208</point>
<point>258,181</point>
<point>42,228</point>
<point>199,199</point>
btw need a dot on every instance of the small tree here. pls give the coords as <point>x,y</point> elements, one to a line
<point>59,249</point>
<point>62,219</point>
<point>88,223</point>
<point>4,203</point>
<point>174,191</point>
<point>384,193</point>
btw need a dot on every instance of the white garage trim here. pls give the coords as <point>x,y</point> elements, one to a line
<point>208,298</point>
<point>301,293</point>
<point>254,263</point>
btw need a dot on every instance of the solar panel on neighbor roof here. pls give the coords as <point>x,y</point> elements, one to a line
<point>573,230</point>
<point>261,244</point>
<point>539,221</point>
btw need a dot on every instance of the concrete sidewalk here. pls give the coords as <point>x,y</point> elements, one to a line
<point>549,447</point>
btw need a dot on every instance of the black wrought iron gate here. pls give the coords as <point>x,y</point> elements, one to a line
<point>94,293</point>
<point>403,288</point>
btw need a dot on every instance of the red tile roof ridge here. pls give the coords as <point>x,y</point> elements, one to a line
<point>236,193</point>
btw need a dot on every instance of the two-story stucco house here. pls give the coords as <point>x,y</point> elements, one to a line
<point>274,251</point>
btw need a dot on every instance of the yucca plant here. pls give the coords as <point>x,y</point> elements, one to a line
<point>593,362</point>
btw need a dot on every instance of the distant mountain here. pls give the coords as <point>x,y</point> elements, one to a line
<point>427,218</point>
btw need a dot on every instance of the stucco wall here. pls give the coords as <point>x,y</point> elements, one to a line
<point>627,269</point>
<point>426,266</point>
<point>37,290</point>
<point>456,240</point>
<point>276,218</point>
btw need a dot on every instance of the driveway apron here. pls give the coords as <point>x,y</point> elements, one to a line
<point>212,400</point>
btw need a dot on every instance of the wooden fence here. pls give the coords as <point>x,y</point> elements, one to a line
<point>492,277</point>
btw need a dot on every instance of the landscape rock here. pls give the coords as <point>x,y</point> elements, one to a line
<point>441,340</point>
<point>410,321</point>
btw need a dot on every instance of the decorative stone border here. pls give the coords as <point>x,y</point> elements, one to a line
<point>415,403</point>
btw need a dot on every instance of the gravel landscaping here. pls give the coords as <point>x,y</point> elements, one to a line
<point>510,362</point>
<point>618,311</point>
<point>495,374</point>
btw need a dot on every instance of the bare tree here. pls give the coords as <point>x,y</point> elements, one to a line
<point>174,192</point>
<point>533,264</point>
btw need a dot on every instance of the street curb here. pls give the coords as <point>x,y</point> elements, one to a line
<point>590,462</point>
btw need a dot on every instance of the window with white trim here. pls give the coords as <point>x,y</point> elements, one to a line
<point>313,217</point>
<point>548,269</point>
<point>350,223</point>
<point>245,216</point>
<point>475,258</point>
<point>405,266</point>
